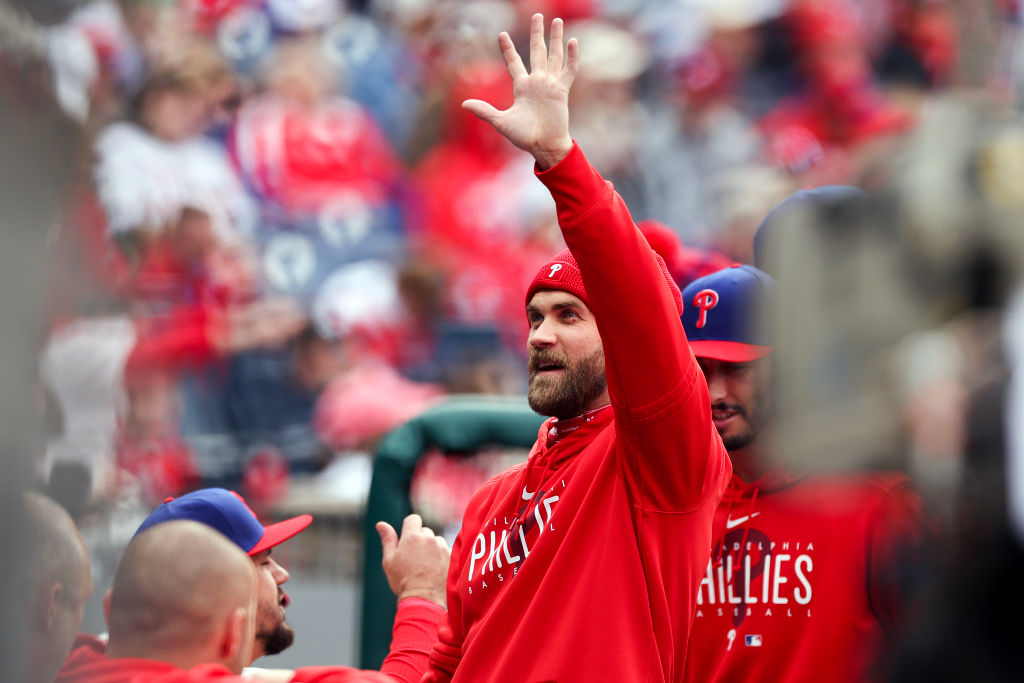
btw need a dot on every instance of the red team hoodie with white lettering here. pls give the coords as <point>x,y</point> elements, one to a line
<point>803,581</point>
<point>583,563</point>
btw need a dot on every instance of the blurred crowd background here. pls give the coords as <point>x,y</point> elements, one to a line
<point>273,235</point>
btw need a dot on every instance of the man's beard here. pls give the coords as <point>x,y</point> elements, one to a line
<point>277,639</point>
<point>734,442</point>
<point>580,383</point>
<point>755,419</point>
<point>275,636</point>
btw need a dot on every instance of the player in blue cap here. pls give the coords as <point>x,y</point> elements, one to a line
<point>800,585</point>
<point>228,513</point>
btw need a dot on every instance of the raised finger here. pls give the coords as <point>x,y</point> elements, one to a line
<point>411,524</point>
<point>538,51</point>
<point>572,64</point>
<point>516,68</point>
<point>388,539</point>
<point>555,52</point>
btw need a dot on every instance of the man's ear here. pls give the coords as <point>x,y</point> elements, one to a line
<point>46,605</point>
<point>235,638</point>
<point>106,607</point>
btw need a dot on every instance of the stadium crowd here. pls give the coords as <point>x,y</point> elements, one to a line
<point>288,216</point>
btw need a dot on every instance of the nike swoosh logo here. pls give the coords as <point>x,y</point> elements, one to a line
<point>527,495</point>
<point>730,523</point>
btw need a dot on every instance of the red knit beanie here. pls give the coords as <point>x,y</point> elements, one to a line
<point>563,274</point>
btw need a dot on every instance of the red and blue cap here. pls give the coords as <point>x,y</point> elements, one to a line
<point>228,513</point>
<point>725,314</point>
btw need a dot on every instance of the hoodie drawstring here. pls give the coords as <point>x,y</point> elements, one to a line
<point>719,554</point>
<point>725,527</point>
<point>534,500</point>
<point>746,530</point>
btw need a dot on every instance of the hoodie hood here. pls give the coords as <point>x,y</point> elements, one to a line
<point>558,441</point>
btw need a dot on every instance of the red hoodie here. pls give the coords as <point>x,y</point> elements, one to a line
<point>583,563</point>
<point>801,585</point>
<point>414,632</point>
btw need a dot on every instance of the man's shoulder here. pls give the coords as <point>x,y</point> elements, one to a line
<point>857,490</point>
<point>86,649</point>
<point>338,674</point>
<point>493,488</point>
<point>88,641</point>
<point>497,482</point>
<point>882,482</point>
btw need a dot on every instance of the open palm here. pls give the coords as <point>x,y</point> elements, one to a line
<point>538,120</point>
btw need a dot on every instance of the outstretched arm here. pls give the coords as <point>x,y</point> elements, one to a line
<point>538,120</point>
<point>676,460</point>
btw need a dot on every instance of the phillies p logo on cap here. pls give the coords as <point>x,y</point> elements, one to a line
<point>705,300</point>
<point>727,314</point>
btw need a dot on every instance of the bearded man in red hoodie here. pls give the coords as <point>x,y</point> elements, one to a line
<point>583,563</point>
<point>803,582</point>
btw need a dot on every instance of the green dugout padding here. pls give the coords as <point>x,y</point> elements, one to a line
<point>462,425</point>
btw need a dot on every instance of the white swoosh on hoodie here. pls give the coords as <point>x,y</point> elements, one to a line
<point>730,523</point>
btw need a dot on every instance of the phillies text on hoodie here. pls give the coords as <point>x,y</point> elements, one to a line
<point>805,577</point>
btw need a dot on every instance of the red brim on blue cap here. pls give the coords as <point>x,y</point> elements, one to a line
<point>280,532</point>
<point>728,351</point>
<point>228,513</point>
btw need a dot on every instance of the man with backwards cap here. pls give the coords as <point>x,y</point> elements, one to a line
<point>583,563</point>
<point>801,584</point>
<point>415,565</point>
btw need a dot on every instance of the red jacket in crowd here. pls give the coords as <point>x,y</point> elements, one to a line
<point>610,518</point>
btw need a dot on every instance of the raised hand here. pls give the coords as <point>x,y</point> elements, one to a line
<point>417,564</point>
<point>538,120</point>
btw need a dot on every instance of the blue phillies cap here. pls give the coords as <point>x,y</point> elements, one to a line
<point>724,314</point>
<point>228,513</point>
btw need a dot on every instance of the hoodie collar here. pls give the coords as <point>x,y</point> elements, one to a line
<point>773,480</point>
<point>557,430</point>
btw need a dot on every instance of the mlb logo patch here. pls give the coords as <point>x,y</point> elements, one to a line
<point>753,640</point>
